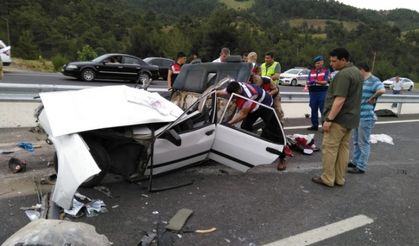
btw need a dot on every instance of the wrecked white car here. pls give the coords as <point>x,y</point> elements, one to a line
<point>133,132</point>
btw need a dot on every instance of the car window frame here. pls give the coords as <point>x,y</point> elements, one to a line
<point>230,100</point>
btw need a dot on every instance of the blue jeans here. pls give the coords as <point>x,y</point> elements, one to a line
<point>317,99</point>
<point>361,148</point>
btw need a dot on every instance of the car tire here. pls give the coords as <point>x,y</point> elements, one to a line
<point>88,74</point>
<point>144,76</point>
<point>101,158</point>
<point>410,88</point>
<point>294,82</point>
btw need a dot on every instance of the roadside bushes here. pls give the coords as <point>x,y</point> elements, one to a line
<point>87,53</point>
<point>58,61</point>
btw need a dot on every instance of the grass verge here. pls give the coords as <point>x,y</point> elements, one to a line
<point>40,65</point>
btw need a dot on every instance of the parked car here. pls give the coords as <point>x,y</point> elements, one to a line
<point>163,64</point>
<point>407,84</point>
<point>140,133</point>
<point>112,66</point>
<point>5,53</point>
<point>294,76</point>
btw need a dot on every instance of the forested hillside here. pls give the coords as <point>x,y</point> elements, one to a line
<point>295,30</point>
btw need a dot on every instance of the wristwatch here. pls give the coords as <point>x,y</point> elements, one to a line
<point>328,120</point>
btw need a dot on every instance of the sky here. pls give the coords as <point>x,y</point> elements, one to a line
<point>383,4</point>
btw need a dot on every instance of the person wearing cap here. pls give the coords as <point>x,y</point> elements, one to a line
<point>249,112</point>
<point>317,85</point>
<point>175,69</point>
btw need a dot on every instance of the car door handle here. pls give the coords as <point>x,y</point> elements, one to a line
<point>273,151</point>
<point>209,132</point>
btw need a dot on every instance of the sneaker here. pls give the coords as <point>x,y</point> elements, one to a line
<point>351,164</point>
<point>282,165</point>
<point>355,170</point>
<point>313,128</point>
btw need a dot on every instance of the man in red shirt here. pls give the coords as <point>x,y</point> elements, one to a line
<point>175,70</point>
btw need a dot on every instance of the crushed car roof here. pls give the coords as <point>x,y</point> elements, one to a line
<point>103,107</point>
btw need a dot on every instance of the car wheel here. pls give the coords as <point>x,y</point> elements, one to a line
<point>410,88</point>
<point>144,77</point>
<point>294,82</point>
<point>101,158</point>
<point>88,74</point>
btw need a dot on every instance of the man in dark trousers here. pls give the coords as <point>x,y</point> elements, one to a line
<point>341,115</point>
<point>249,112</point>
<point>317,84</point>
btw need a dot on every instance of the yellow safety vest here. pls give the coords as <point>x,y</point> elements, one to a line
<point>269,71</point>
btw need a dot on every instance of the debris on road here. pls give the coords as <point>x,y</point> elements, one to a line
<point>26,146</point>
<point>57,232</point>
<point>105,190</point>
<point>375,138</point>
<point>177,222</point>
<point>6,152</point>
<point>33,214</point>
<point>302,143</point>
<point>16,165</point>
<point>90,209</point>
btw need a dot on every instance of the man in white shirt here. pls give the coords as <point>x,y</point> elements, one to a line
<point>225,52</point>
<point>397,89</point>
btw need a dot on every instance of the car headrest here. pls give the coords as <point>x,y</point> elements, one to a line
<point>198,77</point>
<point>234,58</point>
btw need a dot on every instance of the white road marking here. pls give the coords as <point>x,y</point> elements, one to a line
<point>324,232</point>
<point>395,121</point>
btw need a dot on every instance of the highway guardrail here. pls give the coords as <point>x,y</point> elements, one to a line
<point>13,92</point>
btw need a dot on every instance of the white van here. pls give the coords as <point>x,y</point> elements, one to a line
<point>5,53</point>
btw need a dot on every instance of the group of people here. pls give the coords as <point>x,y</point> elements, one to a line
<point>345,99</point>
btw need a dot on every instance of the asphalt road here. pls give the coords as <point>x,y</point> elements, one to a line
<point>59,79</point>
<point>264,205</point>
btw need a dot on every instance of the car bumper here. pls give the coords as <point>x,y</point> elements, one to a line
<point>72,73</point>
<point>285,81</point>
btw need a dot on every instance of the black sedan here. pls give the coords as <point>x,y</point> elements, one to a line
<point>163,64</point>
<point>112,66</point>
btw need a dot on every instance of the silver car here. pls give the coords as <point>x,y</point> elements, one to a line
<point>407,84</point>
<point>294,76</point>
<point>5,53</point>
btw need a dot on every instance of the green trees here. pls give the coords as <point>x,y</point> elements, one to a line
<point>72,30</point>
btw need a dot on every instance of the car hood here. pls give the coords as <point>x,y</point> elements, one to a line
<point>103,107</point>
<point>288,75</point>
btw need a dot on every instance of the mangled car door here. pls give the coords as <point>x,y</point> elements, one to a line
<point>187,141</point>
<point>241,150</point>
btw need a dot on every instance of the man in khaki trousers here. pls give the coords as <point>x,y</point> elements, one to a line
<point>341,115</point>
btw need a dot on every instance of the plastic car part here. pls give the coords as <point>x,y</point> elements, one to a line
<point>101,158</point>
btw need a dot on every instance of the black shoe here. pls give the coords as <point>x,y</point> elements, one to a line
<point>351,164</point>
<point>355,170</point>
<point>313,128</point>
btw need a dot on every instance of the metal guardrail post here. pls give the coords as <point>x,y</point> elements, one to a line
<point>399,108</point>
